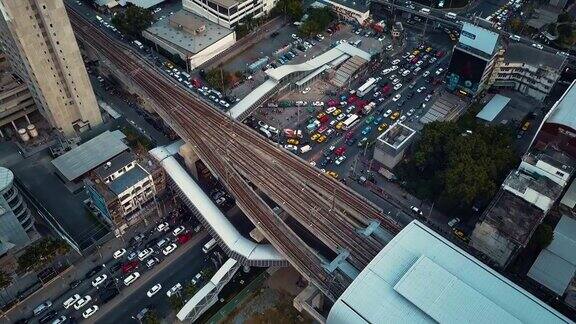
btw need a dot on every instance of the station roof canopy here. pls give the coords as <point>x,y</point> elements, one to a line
<point>564,111</point>
<point>493,108</point>
<point>90,155</point>
<point>555,266</point>
<point>420,277</point>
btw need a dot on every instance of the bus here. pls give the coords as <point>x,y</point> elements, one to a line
<point>366,87</point>
<point>209,246</point>
<point>353,119</point>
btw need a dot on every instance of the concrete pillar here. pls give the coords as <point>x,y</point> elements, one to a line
<point>190,158</point>
<point>1,133</point>
<point>27,119</point>
<point>14,125</point>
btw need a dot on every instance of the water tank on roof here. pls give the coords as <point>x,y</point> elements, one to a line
<point>32,131</point>
<point>23,135</point>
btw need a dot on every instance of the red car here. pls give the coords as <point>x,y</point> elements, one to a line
<point>129,266</point>
<point>324,119</point>
<point>340,151</point>
<point>322,129</point>
<point>184,237</point>
<point>196,83</point>
<point>439,54</point>
<point>352,99</point>
<point>333,103</point>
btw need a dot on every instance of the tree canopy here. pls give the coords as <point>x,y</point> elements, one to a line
<point>5,279</point>
<point>458,169</point>
<point>289,8</point>
<point>542,237</point>
<point>318,20</point>
<point>133,20</point>
<point>41,253</point>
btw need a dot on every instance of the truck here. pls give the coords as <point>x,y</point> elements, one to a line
<point>292,133</point>
<point>253,67</point>
<point>368,108</point>
<point>313,126</point>
<point>386,89</point>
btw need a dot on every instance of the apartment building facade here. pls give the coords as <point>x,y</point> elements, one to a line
<point>228,13</point>
<point>39,41</point>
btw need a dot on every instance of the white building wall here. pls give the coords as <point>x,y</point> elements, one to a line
<point>212,50</point>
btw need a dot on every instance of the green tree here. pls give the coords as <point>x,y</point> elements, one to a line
<point>292,9</point>
<point>516,24</point>
<point>5,279</point>
<point>218,79</point>
<point>41,253</point>
<point>318,20</point>
<point>189,290</point>
<point>564,18</point>
<point>542,237</point>
<point>176,302</point>
<point>133,20</point>
<point>151,318</point>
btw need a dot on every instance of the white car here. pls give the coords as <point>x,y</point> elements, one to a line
<point>169,249</point>
<point>70,301</point>
<point>163,227</point>
<point>538,46</point>
<point>402,118</point>
<point>428,97</point>
<point>142,255</point>
<point>90,311</point>
<point>292,148</point>
<point>42,307</point>
<point>410,112</point>
<point>439,71</point>
<point>155,289</point>
<point>395,62</point>
<point>177,287</point>
<point>386,71</point>
<point>305,91</point>
<point>406,72</point>
<point>416,210</point>
<point>453,221</point>
<point>395,81</point>
<point>60,320</point>
<point>340,159</point>
<point>178,230</point>
<point>99,280</point>
<point>394,68</point>
<point>426,73</point>
<point>82,302</point>
<point>420,89</point>
<point>396,97</point>
<point>387,113</point>
<point>318,103</point>
<point>341,117</point>
<point>398,86</point>
<point>131,278</point>
<point>119,253</point>
<point>330,110</point>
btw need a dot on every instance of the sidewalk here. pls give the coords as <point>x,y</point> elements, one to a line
<point>61,283</point>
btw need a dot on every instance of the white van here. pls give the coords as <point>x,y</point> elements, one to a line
<point>305,149</point>
<point>450,15</point>
<point>425,11</point>
<point>265,132</point>
<point>514,37</point>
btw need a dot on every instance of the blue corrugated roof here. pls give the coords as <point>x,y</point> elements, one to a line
<point>493,107</point>
<point>127,180</point>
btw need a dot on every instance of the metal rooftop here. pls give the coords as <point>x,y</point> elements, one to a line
<point>145,3</point>
<point>91,154</point>
<point>115,164</point>
<point>555,266</point>
<point>478,38</point>
<point>564,110</point>
<point>420,277</point>
<point>493,107</point>
<point>397,135</point>
<point>6,178</point>
<point>127,180</point>
<point>521,53</point>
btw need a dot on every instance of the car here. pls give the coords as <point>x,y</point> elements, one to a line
<point>453,221</point>
<point>402,118</point>
<point>388,112</point>
<point>178,230</point>
<point>395,115</point>
<point>340,117</point>
<point>305,91</point>
<point>419,90</point>
<point>395,81</point>
<point>396,97</point>
<point>340,151</point>
<point>428,97</point>
<point>340,159</point>
<point>292,148</point>
<point>47,317</point>
<point>538,46</point>
<point>332,174</point>
<point>416,210</point>
<point>90,311</point>
<point>131,278</point>
<point>293,141</point>
<point>439,71</point>
<point>132,255</point>
<point>169,249</point>
<point>129,266</point>
<point>99,280</point>
<point>369,120</point>
<point>398,86</point>
<point>315,136</point>
<point>119,253</point>
<point>70,301</point>
<point>318,103</point>
<point>93,271</point>
<point>339,125</point>
<point>60,320</point>
<point>367,130</point>
<point>410,112</point>
<point>330,110</point>
<point>142,255</point>
<point>151,262</point>
<point>42,307</point>
<point>82,302</point>
<point>154,290</point>
<point>163,227</point>
<point>426,73</point>
<point>336,112</point>
<point>378,120</point>
<point>174,290</point>
<point>321,139</point>
<point>382,127</point>
<point>526,126</point>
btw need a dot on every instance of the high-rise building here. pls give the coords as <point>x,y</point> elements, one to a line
<point>38,38</point>
<point>15,219</point>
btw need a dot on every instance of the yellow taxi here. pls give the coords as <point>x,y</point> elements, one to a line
<point>429,49</point>
<point>336,112</point>
<point>339,125</point>
<point>320,115</point>
<point>460,235</point>
<point>382,127</point>
<point>332,174</point>
<point>321,139</point>
<point>314,137</point>
<point>292,141</point>
<point>526,126</point>
<point>395,115</point>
